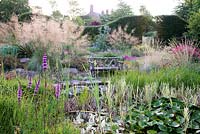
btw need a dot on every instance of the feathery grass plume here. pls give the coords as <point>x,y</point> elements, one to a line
<point>120,39</point>
<point>185,51</point>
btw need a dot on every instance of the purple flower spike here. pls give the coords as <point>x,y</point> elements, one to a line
<point>19,93</point>
<point>57,90</point>
<point>44,62</point>
<point>30,83</point>
<point>37,87</point>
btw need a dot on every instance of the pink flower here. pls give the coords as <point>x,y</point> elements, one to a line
<point>186,49</point>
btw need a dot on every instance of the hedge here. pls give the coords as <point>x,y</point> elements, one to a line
<point>170,26</point>
<point>167,26</point>
<point>141,24</point>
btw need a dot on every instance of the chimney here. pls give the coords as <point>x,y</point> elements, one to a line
<point>91,9</point>
<point>107,12</point>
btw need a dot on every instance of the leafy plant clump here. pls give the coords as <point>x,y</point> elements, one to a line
<point>166,115</point>
<point>101,43</point>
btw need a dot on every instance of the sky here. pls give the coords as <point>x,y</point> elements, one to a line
<point>156,7</point>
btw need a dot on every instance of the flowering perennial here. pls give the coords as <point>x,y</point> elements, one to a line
<point>19,93</point>
<point>37,87</point>
<point>57,90</point>
<point>30,82</point>
<point>44,62</point>
<point>189,50</point>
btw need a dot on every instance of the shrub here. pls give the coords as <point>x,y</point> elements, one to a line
<point>8,50</point>
<point>26,50</point>
<point>101,42</point>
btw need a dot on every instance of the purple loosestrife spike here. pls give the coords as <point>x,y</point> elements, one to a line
<point>57,90</point>
<point>19,93</point>
<point>30,83</point>
<point>37,87</point>
<point>44,62</point>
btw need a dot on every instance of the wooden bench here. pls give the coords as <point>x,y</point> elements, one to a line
<point>99,64</point>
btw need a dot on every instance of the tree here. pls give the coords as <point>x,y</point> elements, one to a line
<point>14,7</point>
<point>144,11</point>
<point>186,8</point>
<point>189,10</point>
<point>57,15</point>
<point>194,25</point>
<point>74,9</point>
<point>123,10</point>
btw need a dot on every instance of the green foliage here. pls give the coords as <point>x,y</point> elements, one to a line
<point>74,9</point>
<point>8,50</point>
<point>105,18</point>
<point>65,128</point>
<point>84,97</point>
<point>79,21</point>
<point>187,7</point>
<point>40,113</point>
<point>189,10</point>
<point>109,54</point>
<point>140,25</point>
<point>101,42</point>
<point>164,116</point>
<point>9,62</point>
<point>194,25</point>
<point>8,118</point>
<point>57,15</point>
<point>175,77</point>
<point>17,7</point>
<point>170,26</point>
<point>35,51</point>
<point>26,50</point>
<point>144,11</point>
<point>137,51</point>
<point>122,10</point>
